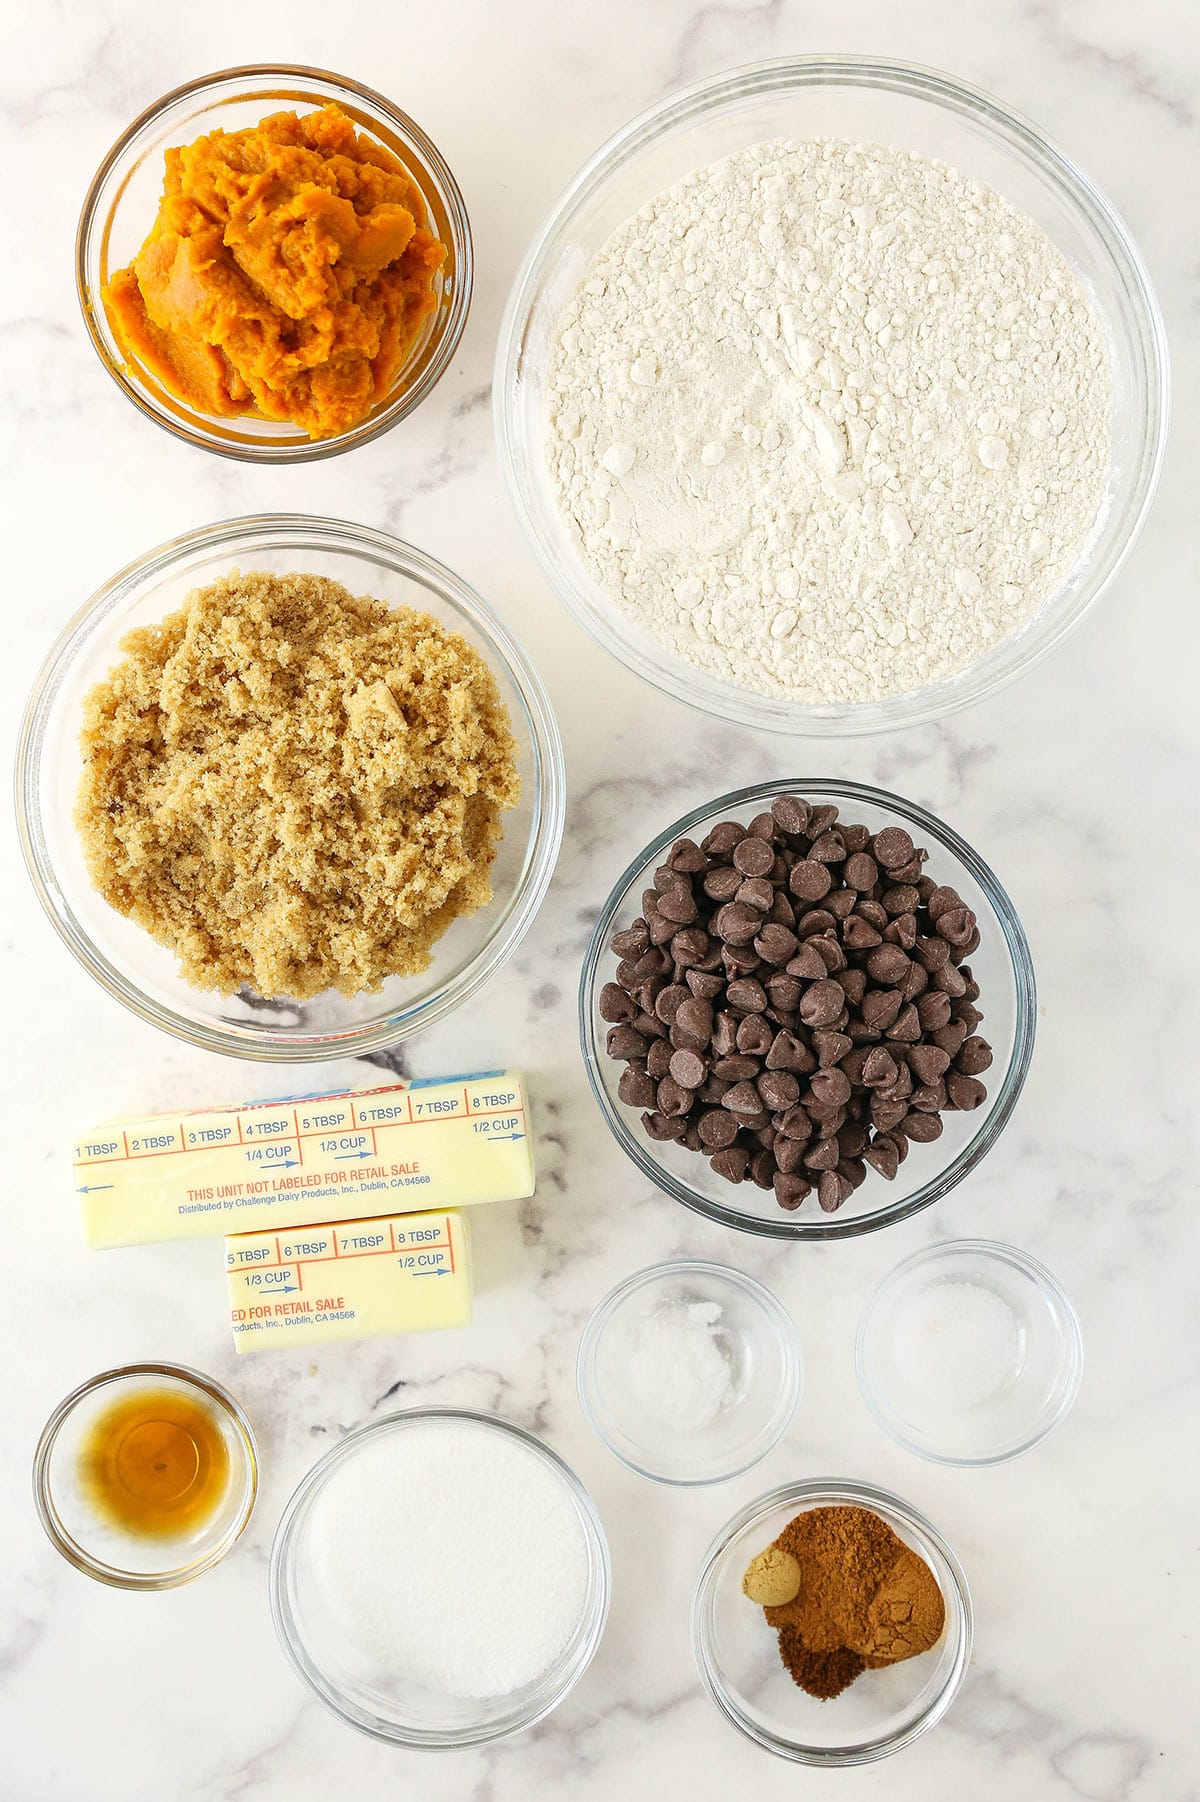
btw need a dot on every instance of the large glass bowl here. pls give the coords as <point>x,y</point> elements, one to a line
<point>396,1711</point>
<point>143,974</point>
<point>122,202</point>
<point>739,1661</point>
<point>1002,966</point>
<point>874,99</point>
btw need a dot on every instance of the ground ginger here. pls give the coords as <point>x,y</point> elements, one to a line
<point>292,788</point>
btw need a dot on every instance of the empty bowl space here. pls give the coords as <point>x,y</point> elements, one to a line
<point>969,1352</point>
<point>689,1372</point>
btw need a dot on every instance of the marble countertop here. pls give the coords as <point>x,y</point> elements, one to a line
<point>1077,785</point>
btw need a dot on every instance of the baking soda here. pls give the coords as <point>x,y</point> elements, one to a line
<point>680,1371</point>
<point>957,1343</point>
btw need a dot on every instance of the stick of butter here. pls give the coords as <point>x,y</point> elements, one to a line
<point>401,1273</point>
<point>309,1159</point>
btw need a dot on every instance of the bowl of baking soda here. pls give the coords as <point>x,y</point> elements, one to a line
<point>440,1579</point>
<point>689,1372</point>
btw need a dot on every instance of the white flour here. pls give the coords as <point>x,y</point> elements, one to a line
<point>829,420</point>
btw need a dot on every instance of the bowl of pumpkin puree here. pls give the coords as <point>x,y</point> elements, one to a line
<point>274,264</point>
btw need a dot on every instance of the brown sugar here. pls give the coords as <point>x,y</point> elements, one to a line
<point>292,788</point>
<point>287,274</point>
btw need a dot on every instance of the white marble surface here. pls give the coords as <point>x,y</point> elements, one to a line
<point>1078,785</point>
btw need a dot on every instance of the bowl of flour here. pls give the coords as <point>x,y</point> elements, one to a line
<point>831,395</point>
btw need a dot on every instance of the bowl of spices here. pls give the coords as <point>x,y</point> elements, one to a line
<point>289,789</point>
<point>969,1352</point>
<point>831,395</point>
<point>831,1623</point>
<point>440,1579</point>
<point>807,1009</point>
<point>145,1476</point>
<point>690,1372</point>
<point>274,263</point>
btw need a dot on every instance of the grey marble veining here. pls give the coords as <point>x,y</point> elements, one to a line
<point>1078,786</point>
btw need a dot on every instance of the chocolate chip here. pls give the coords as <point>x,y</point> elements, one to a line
<point>859,934</point>
<point>887,964</point>
<point>861,872</point>
<point>790,814</point>
<point>756,892</point>
<point>717,1128</point>
<point>879,1070</point>
<point>780,1090</point>
<point>755,1035</point>
<point>965,1092</point>
<point>923,1129</point>
<point>687,856</point>
<point>830,1089</point>
<point>927,1062</point>
<point>807,963</point>
<point>809,881</point>
<point>753,857</point>
<point>623,1042</point>
<point>775,944</point>
<point>882,1155</point>
<point>974,1058</point>
<point>830,1047</point>
<point>723,883</point>
<point>679,906</point>
<point>723,838</point>
<point>632,942</point>
<point>662,1126</point>
<point>743,1098</point>
<point>892,847</point>
<point>615,1004</point>
<point>789,1053</point>
<point>790,1190</point>
<point>738,1067</point>
<point>832,1190</point>
<point>658,1059</point>
<point>688,1069</point>
<point>747,995</point>
<point>637,1087</point>
<point>674,1099</point>
<point>731,1163</point>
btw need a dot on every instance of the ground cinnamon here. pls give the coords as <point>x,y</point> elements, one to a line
<point>860,1598</point>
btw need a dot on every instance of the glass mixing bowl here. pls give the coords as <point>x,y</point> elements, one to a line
<point>397,1711</point>
<point>122,203</point>
<point>143,974</point>
<point>755,1337</point>
<point>1008,1000</point>
<point>969,1389</point>
<point>878,100</point>
<point>884,1710</point>
<point>118,1556</point>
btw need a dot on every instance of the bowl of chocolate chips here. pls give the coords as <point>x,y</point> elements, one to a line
<point>807,1009</point>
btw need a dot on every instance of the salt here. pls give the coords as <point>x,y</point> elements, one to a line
<point>956,1342</point>
<point>448,1555</point>
<point>679,1371</point>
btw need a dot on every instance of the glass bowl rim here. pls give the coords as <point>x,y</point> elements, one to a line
<point>1007,1095</point>
<point>549,775</point>
<point>786,1333</point>
<point>1106,225</point>
<point>1047,1285</point>
<point>407,129</point>
<point>818,1492</point>
<point>43,1494</point>
<point>596,1606</point>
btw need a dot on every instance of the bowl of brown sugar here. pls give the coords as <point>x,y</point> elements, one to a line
<point>831,1623</point>
<point>289,789</point>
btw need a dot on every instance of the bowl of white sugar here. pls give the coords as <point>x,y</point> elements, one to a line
<point>441,1578</point>
<point>831,395</point>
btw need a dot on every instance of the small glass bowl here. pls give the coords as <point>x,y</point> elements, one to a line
<point>738,1656</point>
<point>122,204</point>
<point>142,974</point>
<point>758,1340</point>
<point>1002,966</point>
<point>959,1425</point>
<point>881,101</point>
<point>92,1545</point>
<point>420,1718</point>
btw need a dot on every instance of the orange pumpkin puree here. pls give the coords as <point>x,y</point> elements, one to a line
<point>287,274</point>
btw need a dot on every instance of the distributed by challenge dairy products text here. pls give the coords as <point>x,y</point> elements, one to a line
<point>400,1273</point>
<point>306,1160</point>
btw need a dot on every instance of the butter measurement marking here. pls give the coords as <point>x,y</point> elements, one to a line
<point>200,1139</point>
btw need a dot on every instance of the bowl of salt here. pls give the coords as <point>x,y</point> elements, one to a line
<point>969,1352</point>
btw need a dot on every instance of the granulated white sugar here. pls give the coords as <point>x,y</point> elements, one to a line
<point>451,1556</point>
<point>829,420</point>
